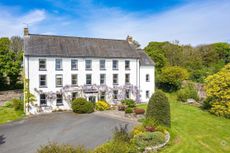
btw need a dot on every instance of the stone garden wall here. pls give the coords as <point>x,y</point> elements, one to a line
<point>10,94</point>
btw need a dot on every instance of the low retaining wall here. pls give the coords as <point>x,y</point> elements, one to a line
<point>9,95</point>
<point>155,148</point>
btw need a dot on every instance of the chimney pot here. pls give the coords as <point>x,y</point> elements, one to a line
<point>26,31</point>
<point>129,39</point>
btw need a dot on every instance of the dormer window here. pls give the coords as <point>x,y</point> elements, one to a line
<point>42,64</point>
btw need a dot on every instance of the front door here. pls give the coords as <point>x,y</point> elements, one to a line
<point>92,99</point>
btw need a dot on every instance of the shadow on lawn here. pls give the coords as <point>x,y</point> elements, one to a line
<point>2,139</point>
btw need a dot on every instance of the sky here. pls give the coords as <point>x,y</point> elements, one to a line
<point>191,22</point>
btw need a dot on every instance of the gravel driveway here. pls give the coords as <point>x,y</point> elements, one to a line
<point>27,135</point>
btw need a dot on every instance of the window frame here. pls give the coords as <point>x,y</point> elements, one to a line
<point>76,95</point>
<point>72,64</point>
<point>42,86</point>
<point>147,94</point>
<point>88,60</point>
<point>44,103</point>
<point>147,78</point>
<point>56,77</point>
<point>76,79</point>
<point>87,80</point>
<point>56,63</point>
<point>100,63</point>
<point>115,94</point>
<point>103,95</point>
<point>127,82</point>
<point>59,98</point>
<point>117,81</point>
<point>127,68</point>
<point>117,65</point>
<point>127,92</point>
<point>103,74</point>
<point>39,65</point>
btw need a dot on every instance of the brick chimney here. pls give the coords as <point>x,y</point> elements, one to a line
<point>26,31</point>
<point>129,39</point>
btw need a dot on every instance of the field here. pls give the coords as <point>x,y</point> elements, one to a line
<point>196,131</point>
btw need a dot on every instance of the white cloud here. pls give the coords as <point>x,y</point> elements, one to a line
<point>12,24</point>
<point>33,17</point>
<point>194,24</point>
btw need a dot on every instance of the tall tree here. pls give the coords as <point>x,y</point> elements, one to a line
<point>156,51</point>
<point>16,44</point>
<point>223,50</point>
<point>10,63</point>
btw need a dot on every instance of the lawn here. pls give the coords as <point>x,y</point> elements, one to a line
<point>196,131</point>
<point>9,114</point>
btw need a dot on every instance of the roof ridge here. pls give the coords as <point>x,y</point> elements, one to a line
<point>76,37</point>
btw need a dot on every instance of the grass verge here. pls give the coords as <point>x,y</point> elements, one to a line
<point>9,114</point>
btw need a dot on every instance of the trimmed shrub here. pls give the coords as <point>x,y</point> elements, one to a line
<point>139,111</point>
<point>148,139</point>
<point>17,104</point>
<point>61,148</point>
<point>171,78</point>
<point>128,110</point>
<point>187,93</point>
<point>159,109</point>
<point>102,105</point>
<point>81,105</point>
<point>129,102</point>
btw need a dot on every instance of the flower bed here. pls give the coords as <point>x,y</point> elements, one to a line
<point>157,147</point>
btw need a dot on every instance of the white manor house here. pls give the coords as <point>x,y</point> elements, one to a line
<point>61,68</point>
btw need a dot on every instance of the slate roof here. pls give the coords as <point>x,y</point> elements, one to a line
<point>64,46</point>
<point>145,60</point>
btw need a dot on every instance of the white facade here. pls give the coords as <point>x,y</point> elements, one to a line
<point>147,87</point>
<point>136,72</point>
<point>61,68</point>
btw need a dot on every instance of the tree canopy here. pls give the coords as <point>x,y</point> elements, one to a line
<point>200,61</point>
<point>10,64</point>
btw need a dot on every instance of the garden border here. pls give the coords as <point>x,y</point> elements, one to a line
<point>154,148</point>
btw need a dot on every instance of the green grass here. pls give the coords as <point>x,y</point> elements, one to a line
<point>196,131</point>
<point>9,114</point>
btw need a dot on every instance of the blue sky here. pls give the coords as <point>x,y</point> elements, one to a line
<point>191,22</point>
